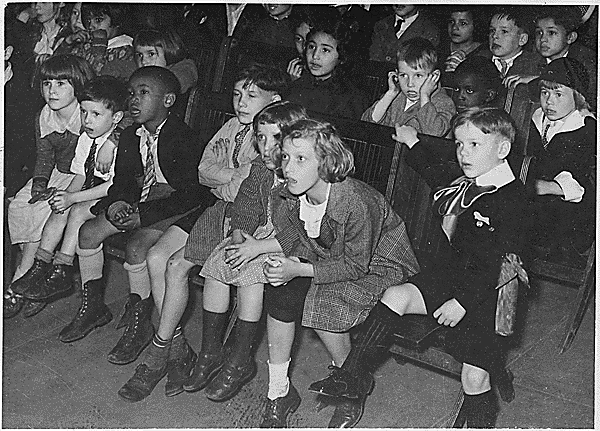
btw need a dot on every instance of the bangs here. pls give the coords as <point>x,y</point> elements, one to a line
<point>148,38</point>
<point>551,85</point>
<point>56,70</point>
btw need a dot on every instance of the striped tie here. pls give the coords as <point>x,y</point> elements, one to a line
<point>239,140</point>
<point>149,170</point>
<point>89,167</point>
<point>503,67</point>
<point>545,136</point>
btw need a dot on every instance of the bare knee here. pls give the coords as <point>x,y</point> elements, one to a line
<point>475,380</point>
<point>398,298</point>
<point>178,268</point>
<point>137,248</point>
<point>79,214</point>
<point>156,258</point>
<point>89,235</point>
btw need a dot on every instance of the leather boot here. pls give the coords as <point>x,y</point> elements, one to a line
<point>137,335</point>
<point>58,281</point>
<point>13,304</point>
<point>34,276</point>
<point>133,299</point>
<point>93,313</point>
<point>179,369</point>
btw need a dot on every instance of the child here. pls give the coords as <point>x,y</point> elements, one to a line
<point>102,104</point>
<point>413,96</point>
<point>225,164</point>
<point>329,51</point>
<point>165,49</point>
<point>562,141</point>
<point>344,244</point>
<point>509,33</point>
<point>476,83</point>
<point>154,184</point>
<point>458,288</point>
<point>57,126</point>
<point>250,212</point>
<point>407,22</point>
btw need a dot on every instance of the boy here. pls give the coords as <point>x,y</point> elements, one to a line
<point>509,33</point>
<point>102,105</point>
<point>481,216</point>
<point>413,96</point>
<point>154,183</point>
<point>407,22</point>
<point>226,162</point>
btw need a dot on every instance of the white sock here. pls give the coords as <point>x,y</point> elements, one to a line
<point>139,279</point>
<point>91,263</point>
<point>279,383</point>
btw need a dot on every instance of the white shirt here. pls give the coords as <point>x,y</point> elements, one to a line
<point>142,133</point>
<point>312,215</point>
<point>499,176</point>
<point>509,61</point>
<point>84,143</point>
<point>50,122</point>
<point>407,22</point>
<point>548,60</point>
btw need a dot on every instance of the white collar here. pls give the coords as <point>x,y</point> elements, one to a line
<point>142,131</point>
<point>119,41</point>
<point>50,122</point>
<point>408,21</point>
<point>510,60</point>
<point>548,61</point>
<point>575,120</point>
<point>499,176</point>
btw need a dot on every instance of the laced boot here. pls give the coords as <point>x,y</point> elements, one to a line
<point>93,313</point>
<point>137,335</point>
<point>13,304</point>
<point>58,281</point>
<point>179,367</point>
<point>133,299</point>
<point>34,276</point>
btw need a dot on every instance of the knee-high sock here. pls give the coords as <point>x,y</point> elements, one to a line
<point>213,326</point>
<point>242,351</point>
<point>91,263</point>
<point>139,279</point>
<point>481,410</point>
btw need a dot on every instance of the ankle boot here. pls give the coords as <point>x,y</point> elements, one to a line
<point>58,281</point>
<point>368,348</point>
<point>93,313</point>
<point>179,368</point>
<point>240,366</point>
<point>133,299</point>
<point>480,411</point>
<point>137,335</point>
<point>34,276</point>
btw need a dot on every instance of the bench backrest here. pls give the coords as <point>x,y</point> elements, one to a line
<point>372,78</point>
<point>520,107</point>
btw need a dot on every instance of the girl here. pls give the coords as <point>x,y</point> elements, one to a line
<point>250,212</point>
<point>562,140</point>
<point>165,49</point>
<point>345,246</point>
<point>327,88</point>
<point>57,130</point>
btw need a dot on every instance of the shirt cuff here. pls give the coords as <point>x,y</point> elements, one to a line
<point>572,190</point>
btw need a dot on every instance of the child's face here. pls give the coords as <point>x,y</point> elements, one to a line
<point>505,38</point>
<point>76,22</point>
<point>249,101</point>
<point>477,152</point>
<point>102,22</point>
<point>58,93</point>
<point>322,55</point>
<point>551,40</point>
<point>411,80</point>
<point>147,101</point>
<point>300,37</point>
<point>300,166</point>
<point>277,10</point>
<point>460,27</point>
<point>150,56</point>
<point>45,11</point>
<point>557,103</point>
<point>267,139</point>
<point>470,91</point>
<point>404,10</point>
<point>97,119</point>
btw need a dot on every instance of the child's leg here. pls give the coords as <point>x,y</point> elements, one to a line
<point>53,231</point>
<point>135,260</point>
<point>28,250</point>
<point>169,243</point>
<point>78,215</point>
<point>91,258</point>
<point>337,344</point>
<point>480,405</point>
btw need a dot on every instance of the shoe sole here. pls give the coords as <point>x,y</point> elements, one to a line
<point>211,376</point>
<point>107,318</point>
<point>234,393</point>
<point>179,389</point>
<point>27,313</point>
<point>342,394</point>
<point>126,361</point>
<point>47,297</point>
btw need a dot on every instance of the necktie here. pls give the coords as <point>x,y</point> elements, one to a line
<point>503,67</point>
<point>398,25</point>
<point>149,171</point>
<point>89,166</point>
<point>239,140</point>
<point>545,136</point>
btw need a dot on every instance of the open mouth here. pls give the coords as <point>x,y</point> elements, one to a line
<point>495,47</point>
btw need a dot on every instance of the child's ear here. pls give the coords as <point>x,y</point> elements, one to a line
<point>436,73</point>
<point>523,38</point>
<point>117,117</point>
<point>490,95</point>
<point>504,149</point>
<point>572,37</point>
<point>169,100</point>
<point>276,98</point>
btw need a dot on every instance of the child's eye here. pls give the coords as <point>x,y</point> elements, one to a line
<point>301,158</point>
<point>284,156</point>
<point>419,75</point>
<point>326,50</point>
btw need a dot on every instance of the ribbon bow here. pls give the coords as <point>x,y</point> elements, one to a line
<point>458,196</point>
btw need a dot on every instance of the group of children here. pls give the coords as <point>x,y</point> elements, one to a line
<point>270,207</point>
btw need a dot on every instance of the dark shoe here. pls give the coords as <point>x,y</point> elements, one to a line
<point>340,383</point>
<point>59,281</point>
<point>137,335</point>
<point>133,299</point>
<point>229,381</point>
<point>178,371</point>
<point>277,411</point>
<point>31,308</point>
<point>206,368</point>
<point>13,304</point>
<point>32,278</point>
<point>142,383</point>
<point>348,413</point>
<point>93,313</point>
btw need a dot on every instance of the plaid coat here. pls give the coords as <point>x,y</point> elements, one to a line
<point>363,249</point>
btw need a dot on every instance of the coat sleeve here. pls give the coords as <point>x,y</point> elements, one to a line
<point>435,117</point>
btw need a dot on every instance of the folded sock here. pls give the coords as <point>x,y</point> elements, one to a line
<point>279,383</point>
<point>63,259</point>
<point>91,263</point>
<point>43,255</point>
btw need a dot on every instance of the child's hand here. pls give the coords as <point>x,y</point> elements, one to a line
<point>295,68</point>
<point>127,223</point>
<point>405,135</point>
<point>220,151</point>
<point>118,211</point>
<point>279,270</point>
<point>450,313</point>
<point>393,86</point>
<point>514,80</point>
<point>244,252</point>
<point>454,59</point>
<point>105,157</point>
<point>429,86</point>
<point>543,187</point>
<point>81,36</point>
<point>38,187</point>
<point>60,201</point>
